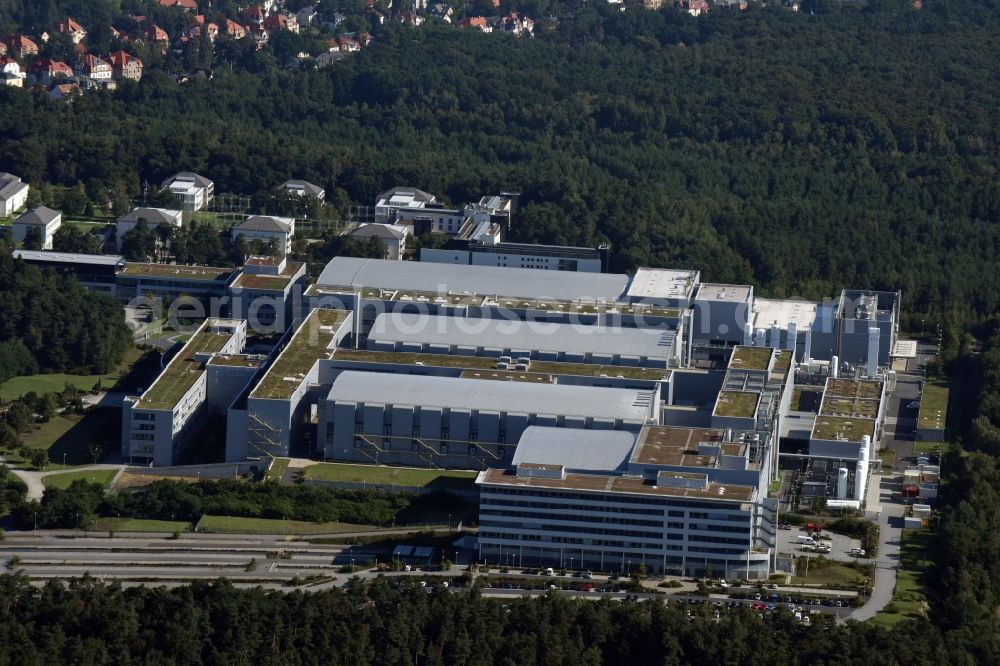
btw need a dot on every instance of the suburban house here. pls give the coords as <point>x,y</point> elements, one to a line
<point>186,5</point>
<point>46,71</point>
<point>20,46</point>
<point>303,188</point>
<point>65,91</point>
<point>478,22</point>
<point>70,27</point>
<point>393,235</point>
<point>235,30</point>
<point>10,72</point>
<point>46,220</point>
<point>125,66</point>
<point>157,35</point>
<point>94,68</point>
<point>265,229</point>
<point>153,217</point>
<point>194,191</point>
<point>13,194</point>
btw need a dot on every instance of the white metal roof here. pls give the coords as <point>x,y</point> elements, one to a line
<point>784,312</point>
<point>483,280</point>
<point>662,283</point>
<point>531,335</point>
<point>488,395</point>
<point>70,257</point>
<point>575,449</point>
<point>725,293</point>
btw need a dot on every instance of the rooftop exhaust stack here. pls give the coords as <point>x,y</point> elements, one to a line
<point>807,347</point>
<point>873,340</point>
<point>760,338</point>
<point>792,339</point>
<point>775,340</point>
<point>834,367</point>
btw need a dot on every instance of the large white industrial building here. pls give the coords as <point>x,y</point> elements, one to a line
<point>616,420</point>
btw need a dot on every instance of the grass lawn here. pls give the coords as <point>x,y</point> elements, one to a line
<point>237,525</point>
<point>833,574</point>
<point>15,387</point>
<point>908,599</point>
<point>62,480</point>
<point>69,437</point>
<point>277,469</point>
<point>888,458</point>
<point>142,525</point>
<point>402,476</point>
<point>933,406</point>
<point>930,447</point>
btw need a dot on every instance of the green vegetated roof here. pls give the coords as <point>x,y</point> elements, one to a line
<point>933,407</point>
<point>737,403</point>
<point>182,371</point>
<point>177,272</point>
<point>308,344</point>
<point>839,428</point>
<point>750,358</point>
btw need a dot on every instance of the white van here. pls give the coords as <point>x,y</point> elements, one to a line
<point>805,540</point>
<point>548,572</point>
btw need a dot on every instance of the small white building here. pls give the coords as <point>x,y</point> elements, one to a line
<point>46,220</point>
<point>303,188</point>
<point>153,217</point>
<point>266,229</point>
<point>10,72</point>
<point>13,194</point>
<point>194,191</point>
<point>393,235</point>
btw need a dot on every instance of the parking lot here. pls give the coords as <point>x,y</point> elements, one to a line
<point>840,549</point>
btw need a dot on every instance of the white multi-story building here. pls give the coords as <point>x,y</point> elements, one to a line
<point>266,229</point>
<point>669,500</point>
<point>194,191</point>
<point>157,425</point>
<point>45,220</point>
<point>153,218</point>
<point>13,194</point>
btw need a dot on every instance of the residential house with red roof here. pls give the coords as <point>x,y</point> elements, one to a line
<point>94,68</point>
<point>20,46</point>
<point>125,66</point>
<point>70,27</point>
<point>477,22</point>
<point>157,35</point>
<point>46,71</point>
<point>10,72</point>
<point>235,30</point>
<point>65,91</point>
<point>186,5</point>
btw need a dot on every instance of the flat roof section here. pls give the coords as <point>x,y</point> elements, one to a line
<point>842,429</point>
<point>572,448</point>
<point>489,364</point>
<point>751,358</point>
<point>485,280</point>
<point>739,404</point>
<point>662,283</point>
<point>309,343</point>
<point>396,327</point>
<point>262,282</point>
<point>600,483</point>
<point>783,312</point>
<point>853,388</point>
<point>178,272</point>
<point>70,257</point>
<point>665,445</point>
<point>724,293</point>
<point>455,393</point>
<point>184,369</point>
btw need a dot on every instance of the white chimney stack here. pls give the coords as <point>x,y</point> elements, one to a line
<point>873,340</point>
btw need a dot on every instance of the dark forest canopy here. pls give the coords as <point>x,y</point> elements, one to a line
<point>49,322</point>
<point>801,153</point>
